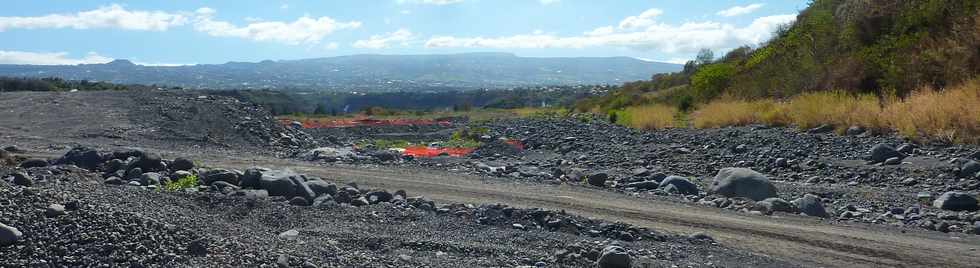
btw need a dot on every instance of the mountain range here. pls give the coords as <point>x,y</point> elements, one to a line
<point>377,73</point>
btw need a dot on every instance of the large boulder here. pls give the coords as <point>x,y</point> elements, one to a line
<point>379,196</point>
<point>681,184</point>
<point>220,174</point>
<point>598,179</point>
<point>9,235</point>
<point>302,189</point>
<point>614,257</point>
<point>278,182</point>
<point>321,187</point>
<point>33,163</point>
<point>811,205</point>
<point>251,178</point>
<point>742,182</point>
<point>181,164</point>
<point>882,152</point>
<point>22,179</point>
<point>643,185</point>
<point>149,162</point>
<point>956,201</point>
<point>82,157</point>
<point>150,178</point>
<point>969,168</point>
<point>774,204</point>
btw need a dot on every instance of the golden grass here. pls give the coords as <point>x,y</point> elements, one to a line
<point>648,116</point>
<point>951,115</point>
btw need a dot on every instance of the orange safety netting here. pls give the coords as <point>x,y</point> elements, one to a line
<point>423,151</point>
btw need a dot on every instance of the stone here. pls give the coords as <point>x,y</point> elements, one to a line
<point>821,129</point>
<point>22,179</point>
<point>181,164</point>
<point>322,200</point>
<point>811,205</point>
<point>302,189</point>
<point>882,152</point>
<point>278,182</point>
<point>774,204</point>
<point>291,234</point>
<point>9,235</point>
<point>614,257</point>
<point>598,179</point>
<point>956,201</point>
<point>969,169</point>
<point>149,162</point>
<point>198,247</point>
<point>114,181</point>
<point>742,182</point>
<point>299,201</point>
<point>892,161</point>
<point>379,196</point>
<point>681,184</point>
<point>150,178</point>
<point>643,185</point>
<point>54,210</point>
<point>854,131</point>
<point>33,163</point>
<point>82,157</point>
<point>361,201</point>
<point>220,174</point>
<point>321,187</point>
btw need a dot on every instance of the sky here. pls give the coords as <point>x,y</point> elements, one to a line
<point>212,32</point>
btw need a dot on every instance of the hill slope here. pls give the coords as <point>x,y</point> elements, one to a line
<point>366,72</point>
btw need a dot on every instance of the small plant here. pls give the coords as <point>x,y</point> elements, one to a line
<point>182,183</point>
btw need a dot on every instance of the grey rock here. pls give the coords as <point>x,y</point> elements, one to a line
<point>598,179</point>
<point>322,200</point>
<point>614,257</point>
<point>54,210</point>
<point>742,182</point>
<point>821,129</point>
<point>149,162</point>
<point>379,196</point>
<point>299,201</point>
<point>892,161</point>
<point>114,181</point>
<point>182,164</point>
<point>644,185</point>
<point>969,169</point>
<point>22,179</point>
<point>321,187</point>
<point>82,157</point>
<point>811,205</point>
<point>774,204</point>
<point>291,234</point>
<point>9,235</point>
<point>33,163</point>
<point>882,152</point>
<point>220,174</point>
<point>150,178</point>
<point>278,182</point>
<point>361,201</point>
<point>251,178</point>
<point>681,184</point>
<point>956,201</point>
<point>854,131</point>
<point>302,189</point>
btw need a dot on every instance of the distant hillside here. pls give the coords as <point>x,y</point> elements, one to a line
<point>366,72</point>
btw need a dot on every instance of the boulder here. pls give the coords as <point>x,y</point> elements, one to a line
<point>360,201</point>
<point>82,157</point>
<point>150,178</point>
<point>9,235</point>
<point>149,162</point>
<point>181,164</point>
<point>114,181</point>
<point>277,182</point>
<point>956,201</point>
<point>251,178</point>
<point>598,179</point>
<point>681,184</point>
<point>321,187</point>
<point>882,152</point>
<point>811,205</point>
<point>33,163</point>
<point>969,169</point>
<point>299,201</point>
<point>774,204</point>
<point>302,189</point>
<point>643,185</point>
<point>614,257</point>
<point>742,182</point>
<point>220,174</point>
<point>22,179</point>
<point>54,210</point>
<point>322,200</point>
<point>854,131</point>
<point>378,196</point>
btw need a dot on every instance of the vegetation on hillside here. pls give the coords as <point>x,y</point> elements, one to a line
<point>908,66</point>
<point>58,84</point>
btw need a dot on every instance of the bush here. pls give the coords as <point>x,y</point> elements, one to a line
<point>739,113</point>
<point>181,183</point>
<point>952,115</point>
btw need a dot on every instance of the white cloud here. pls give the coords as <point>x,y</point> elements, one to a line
<point>431,2</point>
<point>332,46</point>
<point>739,10</point>
<point>113,16</point>
<point>52,58</point>
<point>548,2</point>
<point>683,38</point>
<point>304,30</point>
<point>643,20</point>
<point>284,6</point>
<point>402,37</point>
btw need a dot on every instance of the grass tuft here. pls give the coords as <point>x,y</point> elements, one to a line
<point>647,117</point>
<point>181,183</point>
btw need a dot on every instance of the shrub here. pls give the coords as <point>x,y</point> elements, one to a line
<point>739,112</point>
<point>836,108</point>
<point>181,183</point>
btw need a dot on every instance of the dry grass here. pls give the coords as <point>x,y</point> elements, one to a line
<point>738,113</point>
<point>648,117</point>
<point>951,115</point>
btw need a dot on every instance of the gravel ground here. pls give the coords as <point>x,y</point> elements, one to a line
<point>116,225</point>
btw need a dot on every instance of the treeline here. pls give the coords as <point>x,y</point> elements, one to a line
<point>882,47</point>
<point>58,84</point>
<point>332,103</point>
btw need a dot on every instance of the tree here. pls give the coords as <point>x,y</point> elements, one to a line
<point>705,56</point>
<point>320,109</point>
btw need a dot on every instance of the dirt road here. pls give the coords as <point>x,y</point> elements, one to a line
<point>797,239</point>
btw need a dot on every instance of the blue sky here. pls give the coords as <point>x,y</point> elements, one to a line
<point>189,32</point>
